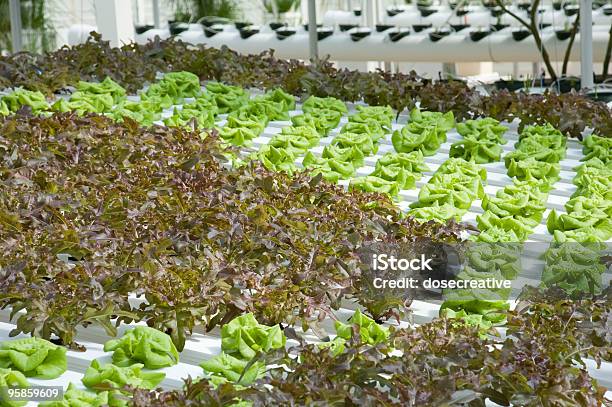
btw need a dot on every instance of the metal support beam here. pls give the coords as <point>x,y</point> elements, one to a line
<point>15,15</point>
<point>312,30</point>
<point>586,44</point>
<point>156,21</point>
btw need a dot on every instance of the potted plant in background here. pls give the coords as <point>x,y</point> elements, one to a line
<point>194,10</point>
<point>38,33</point>
<point>284,11</point>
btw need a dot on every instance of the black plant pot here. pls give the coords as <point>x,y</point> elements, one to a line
<point>462,11</point>
<point>394,11</point>
<point>557,5</point>
<point>211,31</point>
<point>511,85</point>
<point>478,35</point>
<point>601,95</point>
<point>323,33</point>
<point>426,12</point>
<point>241,24</point>
<point>383,27</point>
<point>459,27</point>
<point>346,27</point>
<point>357,12</point>
<point>571,9</point>
<point>276,25</point>
<point>177,28</point>
<point>567,84</point>
<point>397,35</point>
<point>248,32</point>
<point>210,21</point>
<point>360,33</point>
<point>496,11</point>
<point>141,29</point>
<point>283,33</point>
<point>563,35</point>
<point>499,26</point>
<point>520,35</point>
<point>318,26</point>
<point>420,27</point>
<point>437,35</point>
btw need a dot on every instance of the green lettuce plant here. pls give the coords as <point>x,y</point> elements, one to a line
<point>144,112</point>
<point>11,378</point>
<point>294,144</point>
<point>363,142</point>
<point>107,86</point>
<point>234,369</point>
<point>314,103</point>
<point>332,169</point>
<point>322,120</point>
<point>383,115</point>
<point>245,337</point>
<point>426,131</point>
<point>277,159</point>
<point>375,184</point>
<point>227,97</point>
<point>307,132</point>
<point>238,136</point>
<point>481,142</point>
<point>182,117</point>
<point>175,85</point>
<point>369,331</point>
<point>437,212</point>
<point>595,146</point>
<point>111,378</point>
<point>75,397</point>
<point>22,97</point>
<point>152,348</point>
<point>576,268</point>
<point>34,357</point>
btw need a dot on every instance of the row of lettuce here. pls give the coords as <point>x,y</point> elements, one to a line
<point>141,352</point>
<point>509,216</point>
<point>360,355</point>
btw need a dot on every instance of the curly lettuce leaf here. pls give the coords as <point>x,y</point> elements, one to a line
<point>143,345</point>
<point>34,357</point>
<point>117,377</point>
<point>437,212</point>
<point>22,97</point>
<point>369,331</point>
<point>11,378</point>
<point>75,397</point>
<point>363,142</point>
<point>234,369</point>
<point>314,103</point>
<point>375,184</point>
<point>244,337</point>
<point>381,114</point>
<point>277,159</point>
<point>331,169</point>
<point>107,86</point>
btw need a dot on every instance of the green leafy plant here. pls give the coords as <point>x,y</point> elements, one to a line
<point>111,378</point>
<point>11,378</point>
<point>73,396</point>
<point>34,357</point>
<point>425,132</point>
<point>152,348</point>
